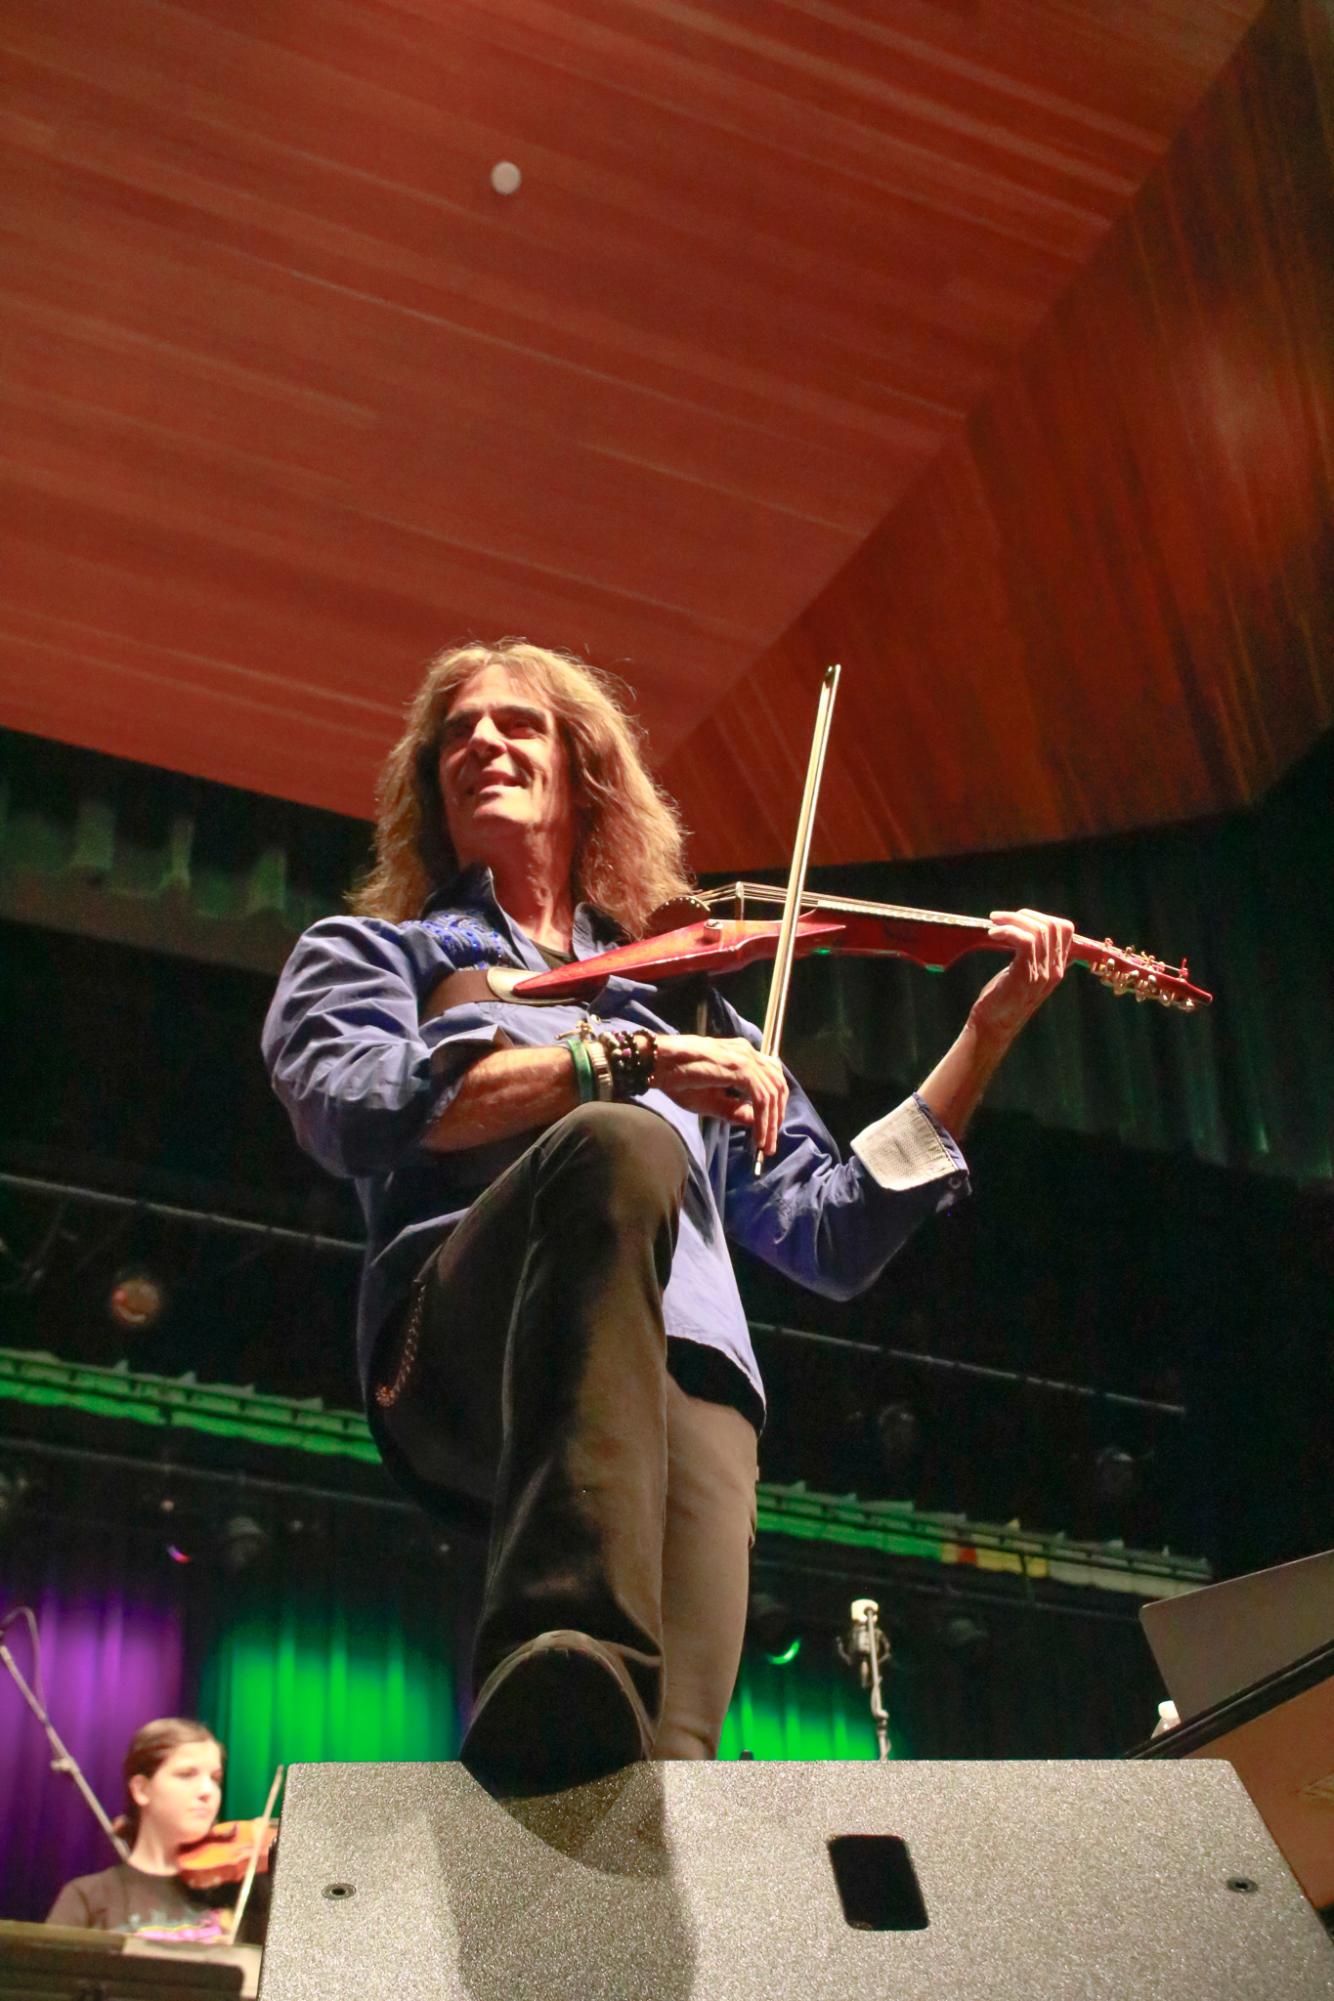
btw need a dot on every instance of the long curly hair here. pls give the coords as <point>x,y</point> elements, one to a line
<point>629,851</point>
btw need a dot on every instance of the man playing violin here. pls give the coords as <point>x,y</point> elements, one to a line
<point>550,1332</point>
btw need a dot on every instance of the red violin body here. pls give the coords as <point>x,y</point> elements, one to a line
<point>720,944</point>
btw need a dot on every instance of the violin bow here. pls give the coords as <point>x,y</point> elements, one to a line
<point>796,881</point>
<point>249,1881</point>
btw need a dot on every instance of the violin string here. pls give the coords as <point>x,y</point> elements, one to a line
<point>814,899</point>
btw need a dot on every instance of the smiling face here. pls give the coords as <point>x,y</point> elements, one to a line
<point>504,775</point>
<point>181,1798</point>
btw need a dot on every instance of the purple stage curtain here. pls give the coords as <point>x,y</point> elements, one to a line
<point>109,1615</point>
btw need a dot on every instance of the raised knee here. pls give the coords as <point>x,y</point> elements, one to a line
<point>623,1148</point>
<point>619,1126</point>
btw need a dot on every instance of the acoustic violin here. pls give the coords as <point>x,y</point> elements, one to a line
<point>235,1852</point>
<point>225,1853</point>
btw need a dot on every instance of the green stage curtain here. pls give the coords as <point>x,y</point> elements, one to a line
<point>330,1665</point>
<point>307,1674</point>
<point>313,1678</point>
<point>806,1708</point>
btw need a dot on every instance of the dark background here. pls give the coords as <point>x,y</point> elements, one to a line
<point>1145,1271</point>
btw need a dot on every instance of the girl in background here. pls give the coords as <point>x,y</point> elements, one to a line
<point>173,1788</point>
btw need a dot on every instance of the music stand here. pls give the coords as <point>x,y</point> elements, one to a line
<point>1250,1666</point>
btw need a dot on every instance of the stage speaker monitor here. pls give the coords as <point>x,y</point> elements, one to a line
<point>818,1882</point>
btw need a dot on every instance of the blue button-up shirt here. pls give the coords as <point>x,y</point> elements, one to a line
<point>364,1078</point>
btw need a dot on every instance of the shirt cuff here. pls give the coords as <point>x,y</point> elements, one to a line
<point>450,1057</point>
<point>909,1148</point>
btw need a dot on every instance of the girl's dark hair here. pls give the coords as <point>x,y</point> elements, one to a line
<point>150,1747</point>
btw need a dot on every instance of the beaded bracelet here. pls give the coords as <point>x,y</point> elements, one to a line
<point>616,1065</point>
<point>633,1058</point>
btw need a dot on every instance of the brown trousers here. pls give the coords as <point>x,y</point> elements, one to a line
<point>621,1506</point>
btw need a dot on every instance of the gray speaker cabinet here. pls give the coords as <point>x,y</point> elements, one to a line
<point>1009,1881</point>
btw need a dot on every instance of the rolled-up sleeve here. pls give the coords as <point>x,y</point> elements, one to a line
<point>830,1224</point>
<point>361,1077</point>
<point>910,1148</point>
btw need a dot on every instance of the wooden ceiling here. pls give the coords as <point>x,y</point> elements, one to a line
<point>984,345</point>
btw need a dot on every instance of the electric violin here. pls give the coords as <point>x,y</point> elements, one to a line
<point>688,937</point>
<point>719,931</point>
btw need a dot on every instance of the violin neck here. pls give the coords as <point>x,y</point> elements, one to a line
<point>753,899</point>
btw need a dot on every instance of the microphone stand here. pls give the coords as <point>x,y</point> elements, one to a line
<point>865,1647</point>
<point>63,1760</point>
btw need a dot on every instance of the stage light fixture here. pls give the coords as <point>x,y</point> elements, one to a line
<point>13,1487</point>
<point>428,1546</point>
<point>959,1632</point>
<point>898,1433</point>
<point>241,1542</point>
<point>137,1300</point>
<point>1116,1476</point>
<point>771,1626</point>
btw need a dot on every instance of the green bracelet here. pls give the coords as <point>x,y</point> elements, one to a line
<point>583,1067</point>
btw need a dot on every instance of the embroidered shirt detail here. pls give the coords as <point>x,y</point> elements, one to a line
<point>469,940</point>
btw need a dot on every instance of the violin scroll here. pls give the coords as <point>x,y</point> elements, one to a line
<point>1127,971</point>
